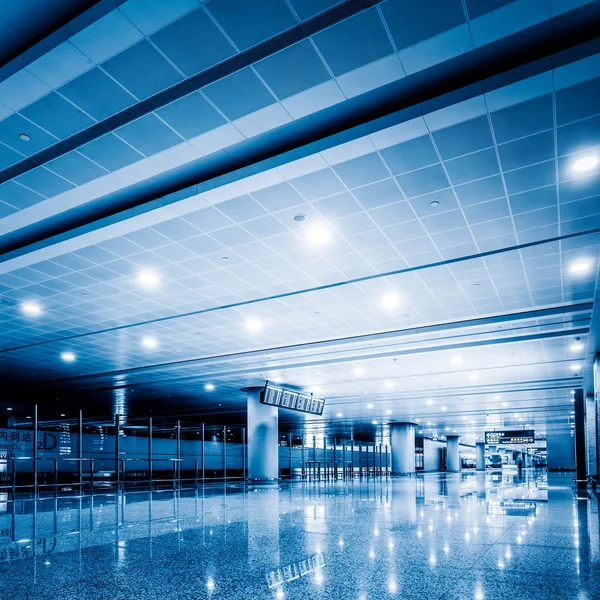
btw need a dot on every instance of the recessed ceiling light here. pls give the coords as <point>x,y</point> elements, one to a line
<point>149,342</point>
<point>8,408</point>
<point>575,367</point>
<point>504,404</point>
<point>496,397</point>
<point>67,356</point>
<point>32,309</point>
<point>429,401</point>
<point>572,392</point>
<point>586,163</point>
<point>359,371</point>
<point>253,324</point>
<point>389,385</point>
<point>224,257</point>
<point>209,387</point>
<point>24,137</point>
<point>148,278</point>
<point>317,234</point>
<point>580,267</point>
<point>390,300</point>
<point>388,412</point>
<point>576,347</point>
<point>369,406</point>
<point>340,414</point>
<point>476,285</point>
<point>28,417</point>
<point>474,376</point>
<point>63,415</point>
<point>435,203</point>
<point>374,422</point>
<point>299,218</point>
<point>443,408</point>
<point>457,360</point>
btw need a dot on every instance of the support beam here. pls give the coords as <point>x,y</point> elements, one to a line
<point>403,448</point>
<point>580,454</point>
<point>263,438</point>
<point>480,456</point>
<point>591,437</point>
<point>453,454</point>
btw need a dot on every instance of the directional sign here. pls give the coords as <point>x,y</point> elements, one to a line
<point>524,436</point>
<point>276,396</point>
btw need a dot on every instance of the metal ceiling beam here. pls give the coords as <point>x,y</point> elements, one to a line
<point>50,386</point>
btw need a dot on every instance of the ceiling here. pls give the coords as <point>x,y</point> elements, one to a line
<point>352,198</point>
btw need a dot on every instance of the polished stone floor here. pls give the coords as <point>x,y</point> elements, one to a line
<point>494,535</point>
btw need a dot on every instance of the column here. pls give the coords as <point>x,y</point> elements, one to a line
<point>403,448</point>
<point>480,456</point>
<point>263,438</point>
<point>452,454</point>
<point>591,436</point>
<point>580,454</point>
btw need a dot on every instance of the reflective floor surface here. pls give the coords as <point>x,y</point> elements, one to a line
<point>492,535</point>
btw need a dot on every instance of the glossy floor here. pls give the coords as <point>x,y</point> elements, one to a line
<point>478,536</point>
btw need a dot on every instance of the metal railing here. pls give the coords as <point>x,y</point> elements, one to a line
<point>91,479</point>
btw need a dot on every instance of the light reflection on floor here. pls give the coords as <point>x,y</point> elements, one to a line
<point>492,535</point>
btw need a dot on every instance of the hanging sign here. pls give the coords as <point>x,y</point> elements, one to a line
<point>277,396</point>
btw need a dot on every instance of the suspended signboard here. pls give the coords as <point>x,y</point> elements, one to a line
<point>524,436</point>
<point>276,396</point>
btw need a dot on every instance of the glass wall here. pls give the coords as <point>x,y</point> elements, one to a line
<point>76,453</point>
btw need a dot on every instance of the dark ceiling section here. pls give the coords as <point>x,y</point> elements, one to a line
<point>24,23</point>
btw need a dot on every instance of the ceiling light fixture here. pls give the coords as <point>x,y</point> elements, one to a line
<point>209,387</point>
<point>148,278</point>
<point>340,414</point>
<point>318,234</point>
<point>253,324</point>
<point>374,422</point>
<point>390,300</point>
<point>24,137</point>
<point>389,385</point>
<point>149,342</point>
<point>299,218</point>
<point>579,267</point>
<point>575,367</point>
<point>369,406</point>
<point>434,203</point>
<point>496,397</point>
<point>576,347</point>
<point>68,357</point>
<point>457,360</point>
<point>474,376</point>
<point>586,163</point>
<point>429,402</point>
<point>359,371</point>
<point>31,309</point>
